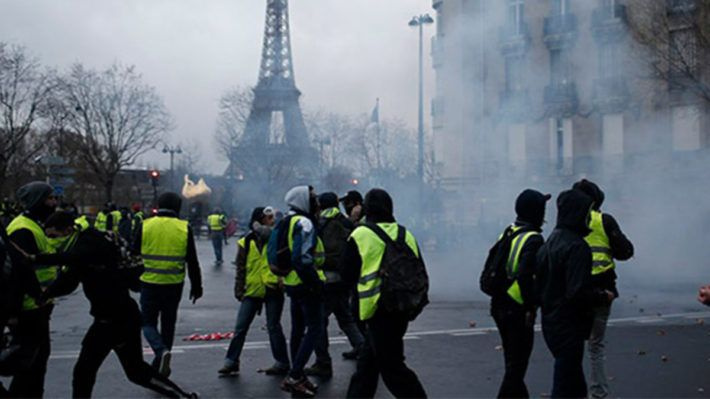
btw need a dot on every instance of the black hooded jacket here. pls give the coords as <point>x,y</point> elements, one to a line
<point>564,275</point>
<point>621,247</point>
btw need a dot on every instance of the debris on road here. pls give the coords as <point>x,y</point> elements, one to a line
<point>472,324</point>
<point>661,332</point>
<point>216,336</point>
<point>499,347</point>
<point>641,352</point>
<point>664,358</point>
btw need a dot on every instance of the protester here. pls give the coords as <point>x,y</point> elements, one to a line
<point>567,293</point>
<point>167,245</point>
<point>216,222</point>
<point>255,285</point>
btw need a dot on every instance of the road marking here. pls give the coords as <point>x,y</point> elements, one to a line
<point>413,335</point>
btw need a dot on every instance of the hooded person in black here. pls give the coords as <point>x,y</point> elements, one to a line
<point>32,327</point>
<point>567,294</point>
<point>513,309</point>
<point>609,244</point>
<point>92,258</point>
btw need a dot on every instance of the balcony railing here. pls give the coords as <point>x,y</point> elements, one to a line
<point>514,38</point>
<point>677,7</point>
<point>611,94</point>
<point>561,99</point>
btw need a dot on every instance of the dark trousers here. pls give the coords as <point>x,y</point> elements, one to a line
<point>569,379</point>
<point>160,301</point>
<point>274,304</point>
<point>32,331</point>
<point>124,338</point>
<point>217,239</point>
<point>383,355</point>
<point>337,303</point>
<point>306,327</point>
<point>517,337</point>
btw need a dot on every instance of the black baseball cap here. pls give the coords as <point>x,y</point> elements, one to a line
<point>352,195</point>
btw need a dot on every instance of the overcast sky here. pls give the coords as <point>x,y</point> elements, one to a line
<point>346,52</point>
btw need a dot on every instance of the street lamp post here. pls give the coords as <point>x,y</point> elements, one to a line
<point>419,22</point>
<point>172,151</point>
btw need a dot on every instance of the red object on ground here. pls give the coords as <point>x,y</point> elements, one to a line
<point>215,336</point>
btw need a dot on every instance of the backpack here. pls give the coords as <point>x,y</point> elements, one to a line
<point>334,235</point>
<point>405,283</point>
<point>277,249</point>
<point>494,276</point>
<point>121,252</point>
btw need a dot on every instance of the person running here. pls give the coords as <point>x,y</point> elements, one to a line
<point>167,246</point>
<point>255,285</point>
<point>99,261</point>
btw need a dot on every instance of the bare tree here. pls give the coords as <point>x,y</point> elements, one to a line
<point>117,116</point>
<point>24,93</point>
<point>675,42</point>
<point>234,108</point>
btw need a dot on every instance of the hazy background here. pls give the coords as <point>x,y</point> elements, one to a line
<point>346,53</point>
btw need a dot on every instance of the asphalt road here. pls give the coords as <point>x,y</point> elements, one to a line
<point>658,346</point>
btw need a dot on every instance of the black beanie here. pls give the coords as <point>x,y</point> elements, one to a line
<point>328,200</point>
<point>33,194</point>
<point>378,206</point>
<point>256,215</point>
<point>530,206</point>
<point>592,190</point>
<point>170,201</point>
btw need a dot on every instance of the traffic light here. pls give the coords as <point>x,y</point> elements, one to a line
<point>154,177</point>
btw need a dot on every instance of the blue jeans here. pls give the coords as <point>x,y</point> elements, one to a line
<point>274,303</point>
<point>217,238</point>
<point>160,301</point>
<point>568,381</point>
<point>306,326</point>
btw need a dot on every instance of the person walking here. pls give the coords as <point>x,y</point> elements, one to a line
<point>31,331</point>
<point>513,306</point>
<point>608,243</point>
<point>334,229</point>
<point>304,284</point>
<point>167,245</point>
<point>216,222</point>
<point>255,285</point>
<point>101,223</point>
<point>567,294</point>
<point>383,354</point>
<point>100,262</point>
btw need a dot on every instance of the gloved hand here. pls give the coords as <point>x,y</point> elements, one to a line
<point>195,293</point>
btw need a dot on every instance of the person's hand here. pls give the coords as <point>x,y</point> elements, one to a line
<point>609,296</point>
<point>281,283</point>
<point>704,295</point>
<point>195,293</point>
<point>356,213</point>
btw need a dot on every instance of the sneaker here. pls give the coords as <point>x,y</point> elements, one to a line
<point>351,354</point>
<point>319,370</point>
<point>275,370</point>
<point>229,370</point>
<point>301,388</point>
<point>164,365</point>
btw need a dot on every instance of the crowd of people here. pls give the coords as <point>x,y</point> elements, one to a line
<point>357,264</point>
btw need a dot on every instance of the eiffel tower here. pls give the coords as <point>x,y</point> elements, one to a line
<point>275,129</point>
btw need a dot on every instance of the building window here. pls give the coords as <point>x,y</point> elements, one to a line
<point>516,9</point>
<point>683,52</point>
<point>559,141</point>
<point>560,7</point>
<point>608,60</point>
<point>559,67</point>
<point>513,74</point>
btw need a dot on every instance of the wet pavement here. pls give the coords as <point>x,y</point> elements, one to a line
<point>658,345</point>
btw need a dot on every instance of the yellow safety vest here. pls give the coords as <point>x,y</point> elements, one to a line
<point>101,221</point>
<point>82,222</point>
<point>116,215</point>
<point>164,247</point>
<point>216,222</point>
<point>259,275</point>
<point>139,217</point>
<point>292,278</point>
<point>598,241</point>
<point>513,263</point>
<point>371,249</point>
<point>45,274</point>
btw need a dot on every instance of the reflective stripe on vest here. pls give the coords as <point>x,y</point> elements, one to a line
<point>292,278</point>
<point>101,221</point>
<point>371,249</point>
<point>163,248</point>
<point>215,222</point>
<point>598,241</point>
<point>516,248</point>
<point>45,274</point>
